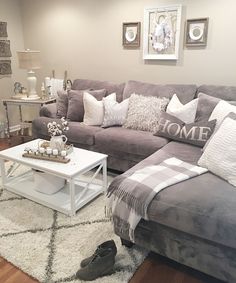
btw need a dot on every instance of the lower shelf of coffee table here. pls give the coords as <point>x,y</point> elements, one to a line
<point>60,201</point>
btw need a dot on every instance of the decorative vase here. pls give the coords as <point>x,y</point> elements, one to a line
<point>58,142</point>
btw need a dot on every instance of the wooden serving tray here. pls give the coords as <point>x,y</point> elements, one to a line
<point>59,159</point>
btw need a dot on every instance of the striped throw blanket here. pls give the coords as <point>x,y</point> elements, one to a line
<point>130,196</point>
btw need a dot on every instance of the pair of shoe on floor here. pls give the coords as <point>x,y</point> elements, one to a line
<point>101,263</point>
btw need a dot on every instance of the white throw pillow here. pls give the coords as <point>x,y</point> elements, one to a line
<point>220,154</point>
<point>221,110</point>
<point>115,113</point>
<point>185,112</point>
<point>94,109</point>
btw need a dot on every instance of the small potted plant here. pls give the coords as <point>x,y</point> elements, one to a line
<point>57,132</point>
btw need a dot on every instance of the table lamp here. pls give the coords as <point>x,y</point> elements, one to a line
<point>30,60</point>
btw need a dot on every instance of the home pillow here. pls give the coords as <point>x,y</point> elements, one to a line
<point>144,111</point>
<point>185,112</point>
<point>62,103</point>
<point>221,110</point>
<point>76,105</point>
<point>173,128</point>
<point>94,109</point>
<point>205,106</point>
<point>220,154</point>
<point>114,113</point>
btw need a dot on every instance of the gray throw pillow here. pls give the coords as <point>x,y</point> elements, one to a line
<point>76,105</point>
<point>205,106</point>
<point>144,111</point>
<point>114,112</point>
<point>196,133</point>
<point>62,103</point>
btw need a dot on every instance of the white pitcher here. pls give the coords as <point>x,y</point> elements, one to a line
<point>58,142</point>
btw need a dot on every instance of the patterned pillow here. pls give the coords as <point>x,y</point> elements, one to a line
<point>220,154</point>
<point>144,112</point>
<point>194,133</point>
<point>76,105</point>
<point>115,113</point>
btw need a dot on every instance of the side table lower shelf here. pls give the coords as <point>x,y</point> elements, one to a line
<point>61,201</point>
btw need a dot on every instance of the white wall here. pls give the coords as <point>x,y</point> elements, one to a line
<point>10,13</point>
<point>85,38</point>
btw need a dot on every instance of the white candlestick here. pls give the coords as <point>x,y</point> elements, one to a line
<point>55,152</point>
<point>49,150</point>
<point>41,149</point>
<point>63,153</point>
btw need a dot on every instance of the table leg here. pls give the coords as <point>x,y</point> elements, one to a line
<point>3,172</point>
<point>104,173</point>
<point>72,197</point>
<point>8,123</point>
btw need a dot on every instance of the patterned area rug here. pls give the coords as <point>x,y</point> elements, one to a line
<point>50,246</point>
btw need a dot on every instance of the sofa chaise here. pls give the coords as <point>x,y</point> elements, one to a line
<point>192,222</point>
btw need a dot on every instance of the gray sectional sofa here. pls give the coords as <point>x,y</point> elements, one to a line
<point>192,222</point>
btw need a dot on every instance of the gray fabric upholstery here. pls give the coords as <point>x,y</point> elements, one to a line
<point>223,92</point>
<point>206,256</point>
<point>119,142</point>
<point>206,105</point>
<point>48,110</point>
<point>82,84</point>
<point>185,92</point>
<point>78,133</point>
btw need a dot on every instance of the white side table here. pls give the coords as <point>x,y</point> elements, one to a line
<point>20,103</point>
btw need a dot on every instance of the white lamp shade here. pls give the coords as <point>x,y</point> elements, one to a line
<point>29,59</point>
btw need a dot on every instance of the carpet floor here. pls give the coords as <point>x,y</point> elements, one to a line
<point>49,245</point>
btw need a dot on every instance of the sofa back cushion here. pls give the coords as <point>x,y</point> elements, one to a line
<point>227,93</point>
<point>110,87</point>
<point>185,92</point>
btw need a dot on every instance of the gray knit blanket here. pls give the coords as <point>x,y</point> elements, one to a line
<point>131,195</point>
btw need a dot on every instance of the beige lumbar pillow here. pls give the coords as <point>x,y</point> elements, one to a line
<point>220,154</point>
<point>94,109</point>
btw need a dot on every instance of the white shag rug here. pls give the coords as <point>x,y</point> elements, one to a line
<point>49,245</point>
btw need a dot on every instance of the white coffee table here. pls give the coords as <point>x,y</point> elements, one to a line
<point>74,195</point>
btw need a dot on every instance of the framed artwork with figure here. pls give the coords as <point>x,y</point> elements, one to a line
<point>162,32</point>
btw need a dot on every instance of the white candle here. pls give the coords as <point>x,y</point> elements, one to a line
<point>41,150</point>
<point>55,152</point>
<point>49,150</point>
<point>63,153</point>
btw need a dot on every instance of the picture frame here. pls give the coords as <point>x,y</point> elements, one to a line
<point>5,50</point>
<point>131,34</point>
<point>5,67</point>
<point>161,35</point>
<point>196,32</point>
<point>3,29</point>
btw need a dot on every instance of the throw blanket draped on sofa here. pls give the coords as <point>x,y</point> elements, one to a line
<point>130,196</point>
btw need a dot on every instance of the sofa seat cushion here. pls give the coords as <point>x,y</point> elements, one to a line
<point>126,143</point>
<point>77,133</point>
<point>203,206</point>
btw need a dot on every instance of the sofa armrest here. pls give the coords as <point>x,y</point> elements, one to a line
<point>49,110</point>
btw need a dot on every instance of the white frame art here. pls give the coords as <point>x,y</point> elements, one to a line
<point>161,34</point>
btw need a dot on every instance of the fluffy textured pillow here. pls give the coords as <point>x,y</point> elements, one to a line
<point>194,133</point>
<point>185,112</point>
<point>144,111</point>
<point>94,109</point>
<point>221,110</point>
<point>205,106</point>
<point>220,154</point>
<point>76,105</point>
<point>62,103</point>
<point>115,113</point>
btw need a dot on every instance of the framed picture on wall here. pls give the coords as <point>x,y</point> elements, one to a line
<point>196,32</point>
<point>161,32</point>
<point>3,29</point>
<point>131,34</point>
